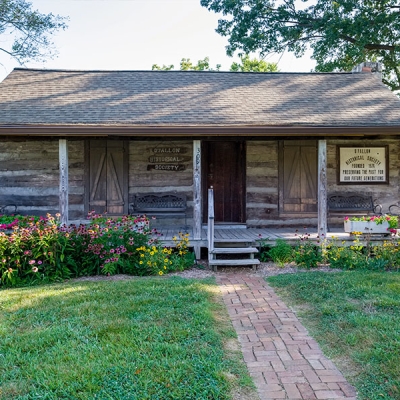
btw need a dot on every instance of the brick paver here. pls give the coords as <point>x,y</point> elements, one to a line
<point>284,361</point>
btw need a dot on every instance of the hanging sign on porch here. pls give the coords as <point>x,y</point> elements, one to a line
<point>166,167</point>
<point>169,150</point>
<point>168,158</point>
<point>363,165</point>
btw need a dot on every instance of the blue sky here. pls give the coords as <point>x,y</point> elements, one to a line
<point>135,34</point>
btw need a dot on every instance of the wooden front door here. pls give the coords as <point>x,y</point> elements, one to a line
<point>108,177</point>
<point>299,176</point>
<point>224,170</point>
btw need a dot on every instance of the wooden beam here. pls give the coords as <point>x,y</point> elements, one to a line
<point>322,189</point>
<point>197,200</point>
<point>63,160</point>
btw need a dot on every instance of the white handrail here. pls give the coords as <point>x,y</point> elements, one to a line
<point>210,225</point>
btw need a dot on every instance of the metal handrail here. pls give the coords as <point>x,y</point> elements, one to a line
<point>210,225</point>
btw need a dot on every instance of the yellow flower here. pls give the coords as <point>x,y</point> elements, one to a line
<point>160,273</point>
<point>140,262</point>
<point>142,255</point>
<point>166,260</point>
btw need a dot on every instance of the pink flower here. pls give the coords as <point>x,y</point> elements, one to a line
<point>32,262</point>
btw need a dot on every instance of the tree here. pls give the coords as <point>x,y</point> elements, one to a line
<point>341,33</point>
<point>253,65</point>
<point>246,65</point>
<point>25,32</point>
<point>187,65</point>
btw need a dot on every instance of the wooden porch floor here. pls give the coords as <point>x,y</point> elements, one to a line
<point>267,235</point>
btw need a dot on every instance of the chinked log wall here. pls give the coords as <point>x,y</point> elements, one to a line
<point>261,182</point>
<point>29,176</point>
<point>148,180</point>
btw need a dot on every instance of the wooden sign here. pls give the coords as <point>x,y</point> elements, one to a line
<point>168,159</point>
<point>363,165</point>
<point>166,167</point>
<point>169,150</point>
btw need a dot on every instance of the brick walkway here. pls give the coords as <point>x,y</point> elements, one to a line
<point>284,361</point>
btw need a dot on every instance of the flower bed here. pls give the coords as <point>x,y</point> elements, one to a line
<point>45,251</point>
<point>371,224</point>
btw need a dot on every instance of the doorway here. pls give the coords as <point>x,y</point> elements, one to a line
<point>224,170</point>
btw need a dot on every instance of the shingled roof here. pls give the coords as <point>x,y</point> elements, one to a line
<point>192,99</point>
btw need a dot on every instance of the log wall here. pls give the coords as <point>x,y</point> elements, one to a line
<point>155,167</point>
<point>29,176</point>
<point>261,182</point>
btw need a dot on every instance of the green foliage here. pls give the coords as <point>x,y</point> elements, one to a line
<point>187,65</point>
<point>354,317</point>
<point>307,254</point>
<point>392,220</point>
<point>253,65</point>
<point>44,251</point>
<point>362,255</point>
<point>9,221</point>
<point>341,34</point>
<point>246,65</point>
<point>281,253</point>
<point>26,31</point>
<point>264,249</point>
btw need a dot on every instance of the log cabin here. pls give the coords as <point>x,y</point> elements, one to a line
<point>272,145</point>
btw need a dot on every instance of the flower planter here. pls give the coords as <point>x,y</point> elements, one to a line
<point>366,226</point>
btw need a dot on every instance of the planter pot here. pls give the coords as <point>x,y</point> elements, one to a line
<point>366,227</point>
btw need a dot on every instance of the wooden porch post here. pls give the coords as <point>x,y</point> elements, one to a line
<point>322,190</point>
<point>63,160</point>
<point>197,195</point>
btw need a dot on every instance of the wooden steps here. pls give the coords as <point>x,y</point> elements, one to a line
<point>235,248</point>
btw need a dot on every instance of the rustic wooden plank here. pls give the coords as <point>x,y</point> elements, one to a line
<point>63,155</point>
<point>322,189</point>
<point>197,194</point>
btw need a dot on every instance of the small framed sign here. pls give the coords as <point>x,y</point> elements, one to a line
<point>363,165</point>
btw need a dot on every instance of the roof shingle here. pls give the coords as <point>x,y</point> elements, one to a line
<point>189,98</point>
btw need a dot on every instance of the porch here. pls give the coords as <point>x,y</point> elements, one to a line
<point>267,236</point>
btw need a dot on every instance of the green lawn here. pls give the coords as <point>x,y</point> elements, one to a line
<point>355,317</point>
<point>146,338</point>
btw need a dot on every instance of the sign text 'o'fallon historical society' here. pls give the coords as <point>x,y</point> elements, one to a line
<point>362,165</point>
<point>168,159</point>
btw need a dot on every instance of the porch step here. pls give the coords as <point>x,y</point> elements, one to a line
<point>233,240</point>
<point>234,250</point>
<point>246,262</point>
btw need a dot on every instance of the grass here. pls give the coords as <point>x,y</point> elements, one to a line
<point>146,338</point>
<point>355,317</point>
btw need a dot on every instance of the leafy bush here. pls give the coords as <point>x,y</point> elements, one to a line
<point>307,254</point>
<point>45,251</point>
<point>281,253</point>
<point>264,248</point>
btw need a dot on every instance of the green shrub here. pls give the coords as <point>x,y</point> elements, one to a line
<point>45,251</point>
<point>281,253</point>
<point>307,254</point>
